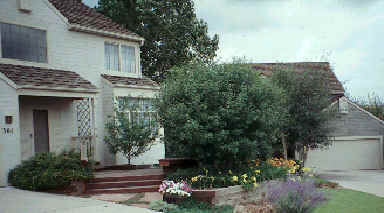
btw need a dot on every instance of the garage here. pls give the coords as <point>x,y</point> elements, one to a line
<point>352,152</point>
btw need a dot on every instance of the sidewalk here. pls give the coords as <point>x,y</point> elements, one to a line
<point>20,201</point>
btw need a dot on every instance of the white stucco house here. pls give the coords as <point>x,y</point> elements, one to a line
<point>356,134</point>
<point>63,66</point>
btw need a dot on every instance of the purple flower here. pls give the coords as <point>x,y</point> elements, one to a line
<point>294,196</point>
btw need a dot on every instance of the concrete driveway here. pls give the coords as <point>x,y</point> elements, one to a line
<point>371,181</point>
<point>20,201</point>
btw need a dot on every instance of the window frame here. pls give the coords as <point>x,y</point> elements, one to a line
<point>120,57</point>
<point>30,27</point>
<point>152,113</point>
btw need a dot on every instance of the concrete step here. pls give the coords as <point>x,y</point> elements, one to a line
<point>123,184</point>
<point>127,178</point>
<point>133,189</point>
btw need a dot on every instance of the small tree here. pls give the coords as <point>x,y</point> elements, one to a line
<point>130,132</point>
<point>308,103</point>
<point>222,115</point>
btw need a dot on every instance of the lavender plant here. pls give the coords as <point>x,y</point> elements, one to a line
<point>294,196</point>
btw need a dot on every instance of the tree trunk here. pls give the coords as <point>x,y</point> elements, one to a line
<point>285,148</point>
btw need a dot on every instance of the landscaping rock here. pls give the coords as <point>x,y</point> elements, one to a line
<point>254,207</point>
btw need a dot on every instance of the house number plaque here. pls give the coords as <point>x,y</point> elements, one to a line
<point>7,131</point>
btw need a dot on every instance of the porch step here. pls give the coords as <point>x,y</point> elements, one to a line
<point>125,181</point>
<point>127,178</point>
<point>111,185</point>
<point>135,189</point>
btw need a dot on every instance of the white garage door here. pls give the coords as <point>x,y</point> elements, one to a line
<point>348,153</point>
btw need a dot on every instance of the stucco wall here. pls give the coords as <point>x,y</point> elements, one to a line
<point>61,123</point>
<point>79,52</point>
<point>9,141</point>
<point>355,123</point>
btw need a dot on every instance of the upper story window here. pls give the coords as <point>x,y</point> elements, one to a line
<point>24,43</point>
<point>121,58</point>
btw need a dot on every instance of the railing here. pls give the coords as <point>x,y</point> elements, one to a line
<point>85,145</point>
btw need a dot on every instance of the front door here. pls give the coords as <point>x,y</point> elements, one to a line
<point>40,123</point>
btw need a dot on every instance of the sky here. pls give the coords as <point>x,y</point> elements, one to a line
<point>347,33</point>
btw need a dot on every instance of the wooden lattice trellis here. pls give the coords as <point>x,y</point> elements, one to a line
<point>85,131</point>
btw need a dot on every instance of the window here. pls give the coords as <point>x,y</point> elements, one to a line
<point>120,58</point>
<point>24,43</point>
<point>343,106</point>
<point>140,110</point>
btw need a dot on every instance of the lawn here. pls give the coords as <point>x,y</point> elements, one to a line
<point>350,201</point>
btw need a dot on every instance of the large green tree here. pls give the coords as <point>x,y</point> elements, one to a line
<point>220,114</point>
<point>173,34</point>
<point>308,104</point>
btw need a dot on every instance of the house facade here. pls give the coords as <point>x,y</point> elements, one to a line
<point>356,135</point>
<point>63,67</point>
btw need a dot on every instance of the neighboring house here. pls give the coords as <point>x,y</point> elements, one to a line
<point>63,66</point>
<point>357,134</point>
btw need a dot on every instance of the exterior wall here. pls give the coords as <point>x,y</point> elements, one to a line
<point>9,141</point>
<point>108,107</point>
<point>61,123</point>
<point>79,52</point>
<point>355,122</point>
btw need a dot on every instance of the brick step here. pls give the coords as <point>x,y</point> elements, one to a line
<point>110,185</point>
<point>127,178</point>
<point>135,189</point>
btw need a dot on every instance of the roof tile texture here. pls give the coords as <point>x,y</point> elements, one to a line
<point>42,77</point>
<point>78,13</point>
<point>128,81</point>
<point>334,84</point>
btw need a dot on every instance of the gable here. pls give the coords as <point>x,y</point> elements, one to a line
<point>85,19</point>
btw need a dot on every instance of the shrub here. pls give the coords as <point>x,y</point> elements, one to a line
<point>221,115</point>
<point>46,171</point>
<point>294,196</point>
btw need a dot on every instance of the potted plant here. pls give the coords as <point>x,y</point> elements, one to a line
<point>175,192</point>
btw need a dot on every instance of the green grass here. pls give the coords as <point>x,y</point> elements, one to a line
<point>350,201</point>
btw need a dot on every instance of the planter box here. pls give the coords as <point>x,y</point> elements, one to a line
<point>172,199</point>
<point>172,164</point>
<point>231,195</point>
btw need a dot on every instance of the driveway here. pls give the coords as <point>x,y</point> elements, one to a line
<point>371,181</point>
<point>20,201</point>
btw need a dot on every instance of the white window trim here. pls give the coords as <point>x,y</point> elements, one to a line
<point>120,58</point>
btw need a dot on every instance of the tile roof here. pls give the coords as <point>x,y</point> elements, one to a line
<point>27,76</point>
<point>334,84</point>
<point>79,14</point>
<point>128,81</point>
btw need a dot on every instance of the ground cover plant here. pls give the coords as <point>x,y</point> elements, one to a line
<point>222,115</point>
<point>249,175</point>
<point>48,171</point>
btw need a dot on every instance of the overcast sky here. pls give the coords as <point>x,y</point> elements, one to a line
<point>347,33</point>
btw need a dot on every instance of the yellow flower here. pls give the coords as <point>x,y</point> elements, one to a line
<point>230,172</point>
<point>292,171</point>
<point>244,176</point>
<point>257,171</point>
<point>253,178</point>
<point>255,185</point>
<point>194,179</point>
<point>310,175</point>
<point>306,169</point>
<point>206,171</point>
<point>235,178</point>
